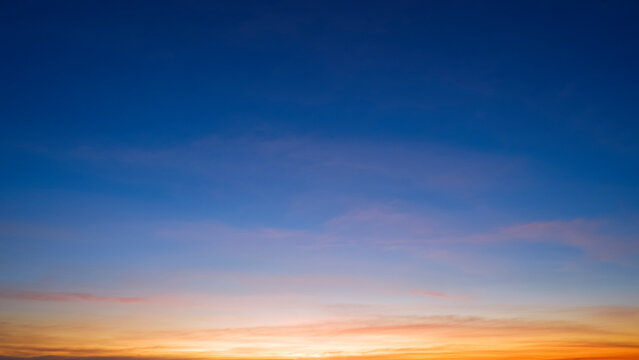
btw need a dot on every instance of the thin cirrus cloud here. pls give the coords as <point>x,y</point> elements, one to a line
<point>595,237</point>
<point>388,228</point>
<point>379,226</point>
<point>303,159</point>
<point>430,293</point>
<point>334,165</point>
<point>68,297</point>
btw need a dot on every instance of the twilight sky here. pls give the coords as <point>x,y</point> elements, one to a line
<point>319,179</point>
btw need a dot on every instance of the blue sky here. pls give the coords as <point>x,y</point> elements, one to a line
<point>483,151</point>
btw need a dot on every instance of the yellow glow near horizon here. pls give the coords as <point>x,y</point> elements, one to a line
<point>604,333</point>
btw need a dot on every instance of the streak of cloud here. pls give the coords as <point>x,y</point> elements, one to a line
<point>67,297</point>
<point>429,293</point>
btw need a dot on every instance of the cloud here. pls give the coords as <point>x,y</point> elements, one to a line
<point>383,337</point>
<point>321,163</point>
<point>380,224</point>
<point>429,293</point>
<point>599,238</point>
<point>434,353</point>
<point>386,228</point>
<point>593,236</point>
<point>402,328</point>
<point>373,225</point>
<point>29,230</point>
<point>67,297</point>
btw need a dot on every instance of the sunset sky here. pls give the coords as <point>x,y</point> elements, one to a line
<point>361,180</point>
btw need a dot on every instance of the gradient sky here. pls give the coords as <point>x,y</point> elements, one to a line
<point>319,179</point>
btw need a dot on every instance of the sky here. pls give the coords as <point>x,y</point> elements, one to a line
<point>344,180</point>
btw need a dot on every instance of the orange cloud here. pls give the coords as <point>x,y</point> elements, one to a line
<point>398,338</point>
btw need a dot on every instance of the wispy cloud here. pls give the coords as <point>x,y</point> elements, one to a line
<point>429,293</point>
<point>30,230</point>
<point>453,337</point>
<point>398,329</point>
<point>386,227</point>
<point>67,297</point>
<point>593,236</point>
<point>320,162</point>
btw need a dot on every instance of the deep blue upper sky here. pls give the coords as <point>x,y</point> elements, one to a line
<point>554,78</point>
<point>556,82</point>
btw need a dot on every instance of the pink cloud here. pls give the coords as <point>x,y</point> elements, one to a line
<point>386,227</point>
<point>593,236</point>
<point>67,297</point>
<point>381,217</point>
<point>429,293</point>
